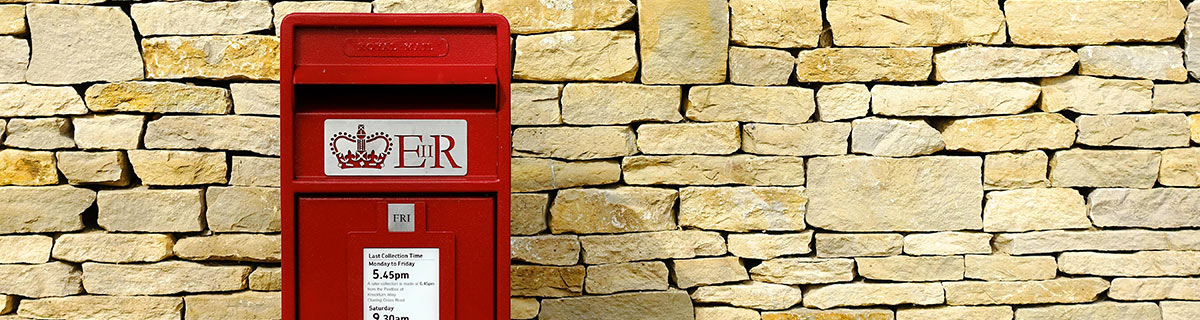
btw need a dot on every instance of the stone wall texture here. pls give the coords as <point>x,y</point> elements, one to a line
<point>673,159</point>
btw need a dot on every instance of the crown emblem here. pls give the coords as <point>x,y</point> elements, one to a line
<point>360,150</point>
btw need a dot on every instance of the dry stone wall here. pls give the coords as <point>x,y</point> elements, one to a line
<point>672,159</point>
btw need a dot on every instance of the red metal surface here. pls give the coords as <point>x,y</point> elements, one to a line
<point>346,66</point>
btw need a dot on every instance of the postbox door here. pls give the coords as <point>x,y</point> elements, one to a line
<point>427,255</point>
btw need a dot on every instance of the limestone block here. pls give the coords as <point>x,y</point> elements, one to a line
<point>1176,97</point>
<point>284,8</point>
<point>984,63</point>
<point>661,305</point>
<point>528,213</point>
<point>804,271</point>
<point>535,174</point>
<point>913,23</point>
<point>689,138</point>
<point>531,16</point>
<point>563,142</point>
<point>854,314</point>
<point>1035,209</point>
<point>1104,168</point>
<point>240,57</point>
<point>230,247</point>
<point>535,103</point>
<point>936,193</point>
<point>77,44</point>
<point>714,170</point>
<point>178,168</point>
<point>859,245</point>
<point>239,133</point>
<point>1087,240</point>
<point>25,249</point>
<point>911,269</point>
<point>1099,310</point>
<point>1183,240</point>
<point>558,250</point>
<point>266,279</point>
<point>1138,264</point>
<point>39,133</point>
<point>577,56</point>
<point>1091,95</point>
<point>242,209</point>
<point>1180,310</point>
<point>27,168</point>
<point>947,243</point>
<point>157,97</point>
<point>201,18</point>
<point>1134,130</point>
<point>168,277</point>
<point>55,279</point>
<point>12,19</point>
<point>113,247</point>
<point>843,101</point>
<point>956,312</point>
<point>750,104</point>
<point>7,303</point>
<point>1155,289</point>
<point>547,281</point>
<point>764,246</point>
<point>726,313</point>
<point>1061,290</point>
<point>1012,170</point>
<point>241,305</point>
<point>1022,132</point>
<point>683,41</point>
<point>254,171</point>
<point>806,139</point>
<point>523,308</point>
<point>1150,208</point>
<point>601,249</point>
<point>632,276</point>
<point>757,295</point>
<point>954,99</point>
<point>620,103</point>
<point>423,6</point>
<point>105,168</point>
<point>103,307</point>
<point>1180,167</point>
<point>1142,62</point>
<point>14,53</point>
<point>22,100</point>
<point>1191,36</point>
<point>623,209</point>
<point>1043,22</point>
<point>895,137</point>
<point>759,66</point>
<point>707,271</point>
<point>43,209</point>
<point>870,294</point>
<point>741,209</point>
<point>151,210</point>
<point>108,132</point>
<point>864,64</point>
<point>1195,118</point>
<point>773,23</point>
<point>1010,268</point>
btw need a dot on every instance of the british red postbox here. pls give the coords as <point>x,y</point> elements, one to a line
<point>395,166</point>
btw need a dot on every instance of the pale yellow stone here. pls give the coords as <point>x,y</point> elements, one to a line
<point>1104,168</point>
<point>1184,240</point>
<point>27,168</point>
<point>241,305</point>
<point>546,281</point>
<point>864,64</point>
<point>1012,170</point>
<point>1195,119</point>
<point>757,295</point>
<point>563,142</point>
<point>106,168</point>
<point>201,18</point>
<point>535,103</point>
<point>623,209</point>
<point>1061,290</point>
<point>804,271</point>
<point>54,279</point>
<point>806,139</point>
<point>661,305</point>
<point>266,279</point>
<point>869,294</point>
<point>1031,131</point>
<point>424,6</point>
<point>536,174</point>
<point>683,41</point>
<point>947,243</point>
<point>255,98</point>
<point>983,63</point>
<point>534,16</point>
<point>241,57</point>
<point>1035,209</point>
<point>1010,268</point>
<point>760,66</point>
<point>39,134</point>
<point>620,103</point>
<point>831,314</point>
<point>1142,62</point>
<point>935,193</point>
<point>895,137</point>
<point>689,138</point>
<point>1091,95</point>
<point>78,44</point>
<point>843,101</point>
<point>1054,22</point>
<point>911,269</point>
<point>157,97</point>
<point>168,277</point>
<point>12,19</point>
<point>674,244</point>
<point>178,168</point>
<point>1179,97</point>
<point>764,246</point>
<point>1134,130</point>
<point>1180,310</point>
<point>103,307</point>
<point>1086,240</point>
<point>577,56</point>
<point>23,100</point>
<point>7,304</point>
<point>741,209</point>
<point>775,23</point>
<point>151,210</point>
<point>1138,264</point>
<point>954,99</point>
<point>559,250</point>
<point>750,104</point>
<point>726,313</point>
<point>913,23</point>
<point>707,271</point>
<point>979,313</point>
<point>25,249</point>
<point>714,170</point>
<point>523,308</point>
<point>1180,167</point>
<point>1150,208</point>
<point>14,53</point>
<point>1094,311</point>
<point>43,209</point>
<point>113,247</point>
<point>254,171</point>
<point>215,132</point>
<point>284,8</point>
<point>242,209</point>
<point>1155,289</point>
<point>528,213</point>
<point>632,276</point>
<point>859,245</point>
<point>231,247</point>
<point>108,132</point>
<point>1191,35</point>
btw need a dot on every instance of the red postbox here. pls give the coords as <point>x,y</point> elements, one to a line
<point>395,166</point>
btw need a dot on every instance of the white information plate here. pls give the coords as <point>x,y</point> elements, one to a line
<point>395,147</point>
<point>400,283</point>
